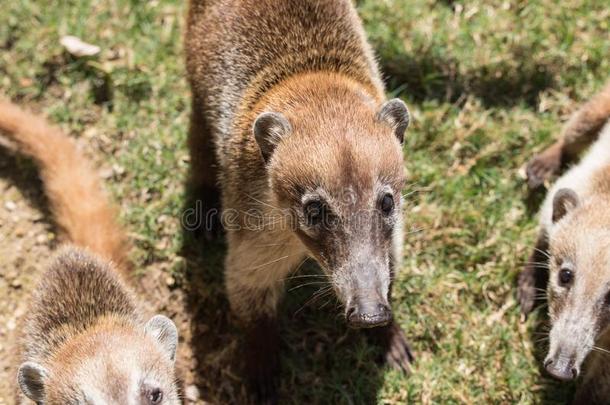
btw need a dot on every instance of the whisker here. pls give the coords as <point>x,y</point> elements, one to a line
<point>261,202</point>
<point>415,231</point>
<point>543,252</point>
<point>314,297</point>
<point>306,284</point>
<point>306,276</point>
<point>600,350</point>
<point>535,264</point>
<point>271,262</point>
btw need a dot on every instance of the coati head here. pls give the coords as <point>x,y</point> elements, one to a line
<point>579,283</point>
<point>113,363</point>
<point>337,166</point>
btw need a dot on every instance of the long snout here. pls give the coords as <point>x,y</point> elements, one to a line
<point>570,342</point>
<point>367,313</point>
<point>363,285</point>
<point>562,365</point>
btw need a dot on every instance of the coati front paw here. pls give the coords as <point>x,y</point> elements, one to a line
<point>396,349</point>
<point>262,361</point>
<point>264,387</point>
<point>542,166</point>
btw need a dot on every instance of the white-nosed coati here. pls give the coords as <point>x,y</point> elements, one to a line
<point>575,240</point>
<point>83,338</point>
<point>289,117</point>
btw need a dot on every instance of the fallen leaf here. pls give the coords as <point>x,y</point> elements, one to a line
<point>77,47</point>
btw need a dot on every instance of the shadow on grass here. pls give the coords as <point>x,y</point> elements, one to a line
<point>426,76</point>
<point>23,174</point>
<point>322,360</point>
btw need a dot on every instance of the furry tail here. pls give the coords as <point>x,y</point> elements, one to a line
<point>78,202</point>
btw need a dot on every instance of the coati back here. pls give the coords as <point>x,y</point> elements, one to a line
<point>83,339</point>
<point>289,118</point>
<point>575,242</point>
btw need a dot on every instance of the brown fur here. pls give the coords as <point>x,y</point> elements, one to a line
<point>578,133</point>
<point>308,61</point>
<point>269,75</point>
<point>84,326</point>
<point>78,202</point>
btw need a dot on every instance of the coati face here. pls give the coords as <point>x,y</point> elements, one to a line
<point>341,177</point>
<point>110,365</point>
<point>579,283</point>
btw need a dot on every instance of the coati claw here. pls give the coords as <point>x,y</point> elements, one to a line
<point>542,166</point>
<point>262,361</point>
<point>397,352</point>
<point>265,392</point>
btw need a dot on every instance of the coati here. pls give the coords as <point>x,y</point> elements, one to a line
<point>290,125</point>
<point>575,240</point>
<point>84,340</point>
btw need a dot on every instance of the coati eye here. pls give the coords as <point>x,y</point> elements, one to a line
<point>152,395</point>
<point>314,212</point>
<point>387,204</point>
<point>565,277</point>
<point>155,396</point>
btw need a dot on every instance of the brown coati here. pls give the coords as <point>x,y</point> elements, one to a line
<point>289,118</point>
<point>83,339</point>
<point>573,254</point>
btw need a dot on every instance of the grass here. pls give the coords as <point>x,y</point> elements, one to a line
<point>488,83</point>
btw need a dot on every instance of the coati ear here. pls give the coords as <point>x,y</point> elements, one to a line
<point>164,331</point>
<point>395,114</point>
<point>564,201</point>
<point>32,378</point>
<point>269,128</point>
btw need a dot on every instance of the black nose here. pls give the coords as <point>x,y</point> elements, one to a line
<point>368,315</point>
<point>561,368</point>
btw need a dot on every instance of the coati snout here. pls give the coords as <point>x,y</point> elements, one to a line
<point>579,283</point>
<point>343,185</point>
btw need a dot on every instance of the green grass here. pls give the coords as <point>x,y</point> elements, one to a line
<point>488,83</point>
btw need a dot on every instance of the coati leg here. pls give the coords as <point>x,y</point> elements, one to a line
<point>203,177</point>
<point>395,347</point>
<point>547,163</point>
<point>534,276</point>
<point>579,132</point>
<point>392,340</point>
<point>255,274</point>
<point>594,391</point>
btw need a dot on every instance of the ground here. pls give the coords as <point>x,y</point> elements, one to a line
<point>488,83</point>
